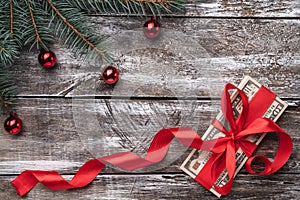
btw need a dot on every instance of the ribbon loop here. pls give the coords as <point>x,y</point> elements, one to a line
<point>264,159</point>
<point>236,122</point>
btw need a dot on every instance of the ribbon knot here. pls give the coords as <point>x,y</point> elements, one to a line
<point>233,137</point>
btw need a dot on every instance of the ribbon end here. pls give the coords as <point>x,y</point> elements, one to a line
<point>17,185</point>
<point>21,185</point>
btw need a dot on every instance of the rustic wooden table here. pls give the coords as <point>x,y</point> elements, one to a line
<point>214,42</point>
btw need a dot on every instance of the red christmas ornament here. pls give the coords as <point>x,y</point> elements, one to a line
<point>110,75</point>
<point>47,59</point>
<point>151,28</point>
<point>13,124</point>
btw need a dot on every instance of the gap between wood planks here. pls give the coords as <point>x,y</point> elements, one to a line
<point>292,102</point>
<point>194,17</point>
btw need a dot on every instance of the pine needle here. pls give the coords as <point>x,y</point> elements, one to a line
<point>71,26</point>
<point>138,7</point>
<point>7,90</point>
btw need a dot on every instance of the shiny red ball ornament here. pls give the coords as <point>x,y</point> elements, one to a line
<point>47,59</point>
<point>152,28</point>
<point>13,124</point>
<point>110,75</point>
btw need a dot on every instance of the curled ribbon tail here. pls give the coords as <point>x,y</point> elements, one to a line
<point>53,180</point>
<point>125,160</point>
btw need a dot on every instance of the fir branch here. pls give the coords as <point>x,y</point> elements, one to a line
<point>139,7</point>
<point>35,25</point>
<point>75,30</point>
<point>9,47</point>
<point>71,25</point>
<point>15,22</point>
<point>7,91</point>
<point>38,38</point>
<point>11,18</point>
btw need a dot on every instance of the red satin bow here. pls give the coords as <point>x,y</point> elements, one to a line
<point>224,150</point>
<point>246,124</point>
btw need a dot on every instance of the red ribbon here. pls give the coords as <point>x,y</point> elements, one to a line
<point>249,122</point>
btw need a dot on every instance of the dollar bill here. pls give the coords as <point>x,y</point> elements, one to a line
<point>196,160</point>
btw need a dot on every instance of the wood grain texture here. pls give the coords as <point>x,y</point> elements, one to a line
<point>61,134</point>
<point>237,9</point>
<point>71,116</point>
<point>193,58</point>
<point>165,186</point>
<point>243,8</point>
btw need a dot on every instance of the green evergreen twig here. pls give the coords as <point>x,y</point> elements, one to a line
<point>10,39</point>
<point>7,90</point>
<point>139,7</point>
<point>71,26</point>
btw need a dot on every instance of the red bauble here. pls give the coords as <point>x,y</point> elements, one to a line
<point>13,124</point>
<point>152,28</point>
<point>110,75</point>
<point>47,59</point>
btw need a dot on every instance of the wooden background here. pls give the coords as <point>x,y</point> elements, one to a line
<point>71,116</point>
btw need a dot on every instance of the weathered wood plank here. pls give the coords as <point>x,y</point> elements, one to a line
<point>239,8</point>
<point>61,134</point>
<point>193,58</point>
<point>214,42</point>
<point>165,186</point>
<point>236,8</point>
